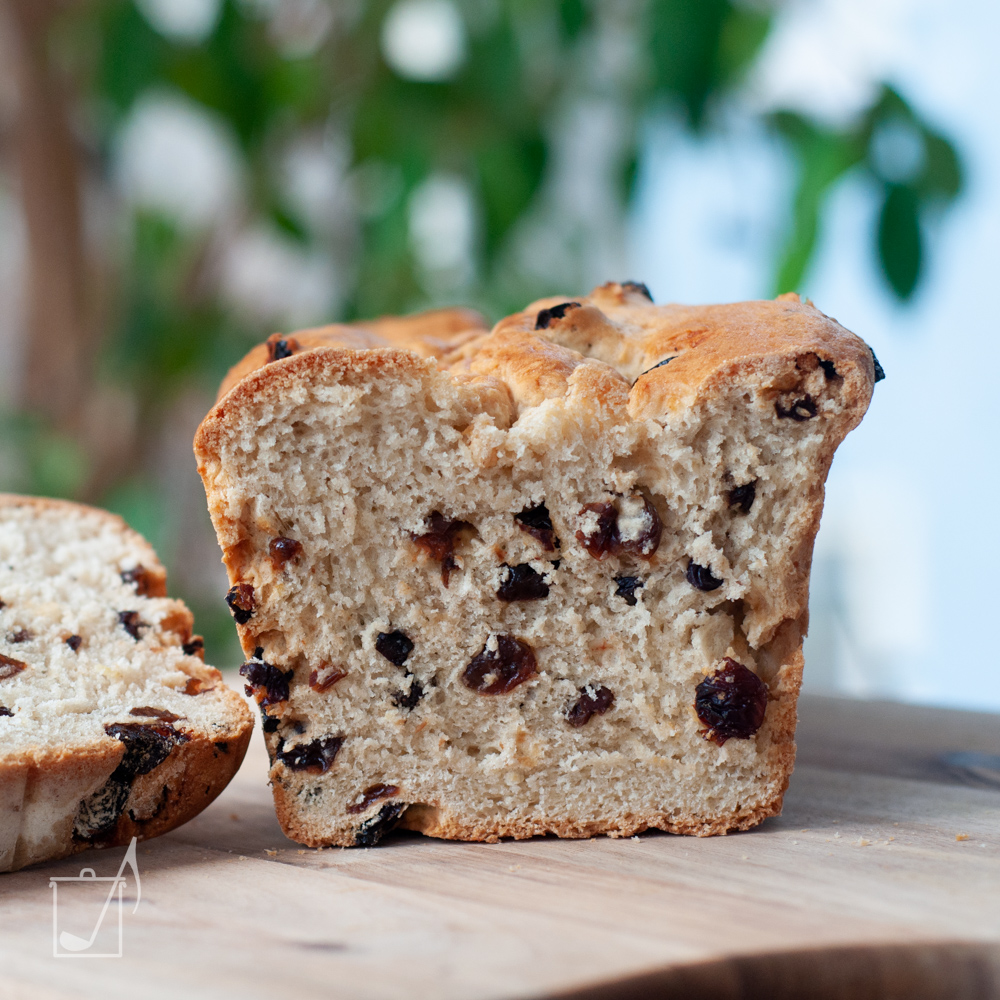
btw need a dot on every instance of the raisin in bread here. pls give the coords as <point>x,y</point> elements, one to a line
<point>552,580</point>
<point>111,726</point>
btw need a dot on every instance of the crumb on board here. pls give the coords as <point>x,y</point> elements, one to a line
<point>861,842</point>
<point>961,836</point>
<point>270,853</point>
<point>234,817</point>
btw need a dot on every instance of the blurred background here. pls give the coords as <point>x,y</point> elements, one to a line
<point>180,178</point>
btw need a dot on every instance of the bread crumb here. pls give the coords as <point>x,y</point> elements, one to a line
<point>300,852</point>
<point>271,854</point>
<point>836,836</point>
<point>233,816</point>
<point>861,842</point>
<point>961,836</point>
<point>513,868</point>
<point>745,858</point>
<point>243,857</point>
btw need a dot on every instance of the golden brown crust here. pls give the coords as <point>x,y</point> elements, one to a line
<point>41,788</point>
<point>436,333</point>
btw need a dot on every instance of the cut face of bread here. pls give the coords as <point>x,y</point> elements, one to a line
<point>111,726</point>
<point>553,581</point>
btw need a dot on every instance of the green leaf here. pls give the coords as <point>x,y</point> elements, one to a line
<point>509,175</point>
<point>899,240</point>
<point>574,16</point>
<point>943,173</point>
<point>743,33</point>
<point>684,45</point>
<point>823,157</point>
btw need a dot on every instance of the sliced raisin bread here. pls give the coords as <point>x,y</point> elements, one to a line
<point>111,726</point>
<point>551,580</point>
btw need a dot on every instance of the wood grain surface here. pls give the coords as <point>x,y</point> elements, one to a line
<point>880,880</point>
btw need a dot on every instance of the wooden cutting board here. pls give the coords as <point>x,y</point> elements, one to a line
<point>881,879</point>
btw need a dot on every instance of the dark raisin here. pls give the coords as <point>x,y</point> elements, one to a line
<point>74,642</point>
<point>602,537</point>
<point>154,713</point>
<point>879,370</point>
<point>638,527</point>
<point>97,816</point>
<point>801,409</point>
<point>267,682</point>
<point>4,711</point>
<point>592,701</point>
<point>829,369</point>
<point>627,586</point>
<point>438,541</point>
<point>537,523</point>
<point>132,623</point>
<point>371,795</point>
<point>701,577</point>
<point>546,316</point>
<point>279,347</point>
<point>146,746</point>
<point>500,669</point>
<point>283,550</point>
<point>373,830</point>
<point>411,698</point>
<point>742,497</point>
<point>521,583</point>
<point>268,723</point>
<point>324,678</point>
<point>9,666</point>
<point>731,703</point>
<point>21,635</point>
<point>637,286</point>
<point>394,646</point>
<point>316,757</point>
<point>146,583</point>
<point>241,602</point>
<point>195,686</point>
<point>196,647</point>
<point>659,364</point>
<point>637,532</point>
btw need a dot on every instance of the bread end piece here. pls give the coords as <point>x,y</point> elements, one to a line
<point>112,724</point>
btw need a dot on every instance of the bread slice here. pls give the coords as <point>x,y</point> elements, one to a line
<point>552,581</point>
<point>111,726</point>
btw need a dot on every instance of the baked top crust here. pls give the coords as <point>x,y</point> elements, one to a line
<point>432,334</point>
<point>665,355</point>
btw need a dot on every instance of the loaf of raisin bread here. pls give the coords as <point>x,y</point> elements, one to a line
<point>548,579</point>
<point>111,725</point>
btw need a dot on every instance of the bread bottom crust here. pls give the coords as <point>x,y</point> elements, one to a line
<point>432,822</point>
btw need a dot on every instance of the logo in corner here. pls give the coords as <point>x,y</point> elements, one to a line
<point>94,904</point>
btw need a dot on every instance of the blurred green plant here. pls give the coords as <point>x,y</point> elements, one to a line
<point>916,168</point>
<point>489,126</point>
